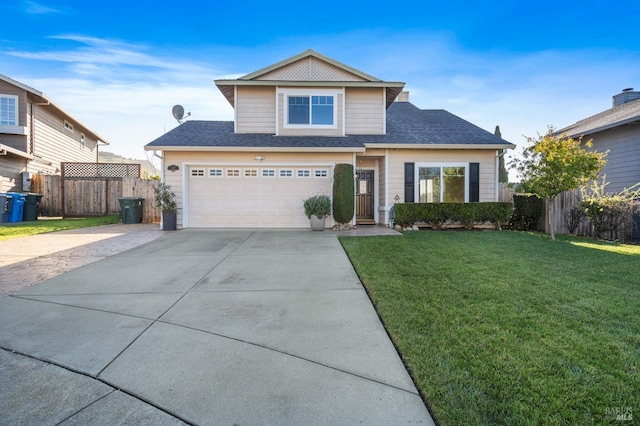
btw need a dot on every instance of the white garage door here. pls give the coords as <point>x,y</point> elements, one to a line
<point>253,197</point>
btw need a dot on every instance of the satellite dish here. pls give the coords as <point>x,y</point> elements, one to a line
<point>178,112</point>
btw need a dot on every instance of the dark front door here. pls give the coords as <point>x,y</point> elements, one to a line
<point>364,197</point>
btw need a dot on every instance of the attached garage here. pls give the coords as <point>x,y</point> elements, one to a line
<point>243,196</point>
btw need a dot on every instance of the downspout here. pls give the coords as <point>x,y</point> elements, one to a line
<point>497,175</point>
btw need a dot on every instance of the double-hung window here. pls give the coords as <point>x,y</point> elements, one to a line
<point>442,184</point>
<point>8,110</point>
<point>311,110</point>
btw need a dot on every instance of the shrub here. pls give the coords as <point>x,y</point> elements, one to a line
<point>527,212</point>
<point>574,218</point>
<point>436,214</point>
<point>609,212</point>
<point>319,205</point>
<point>343,193</point>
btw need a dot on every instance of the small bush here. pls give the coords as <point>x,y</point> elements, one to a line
<point>467,214</point>
<point>527,212</point>
<point>319,205</point>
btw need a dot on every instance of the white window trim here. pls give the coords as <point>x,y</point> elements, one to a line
<point>16,113</point>
<point>68,126</point>
<point>286,92</point>
<point>316,171</point>
<point>293,173</point>
<point>226,173</point>
<point>297,174</point>
<point>249,170</point>
<point>197,175</point>
<point>262,173</point>
<point>215,175</point>
<point>416,179</point>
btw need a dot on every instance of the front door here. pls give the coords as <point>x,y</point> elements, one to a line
<point>364,197</point>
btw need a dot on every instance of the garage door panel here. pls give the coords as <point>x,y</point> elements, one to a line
<point>251,202</point>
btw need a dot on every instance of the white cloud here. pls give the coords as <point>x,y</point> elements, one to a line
<point>39,9</point>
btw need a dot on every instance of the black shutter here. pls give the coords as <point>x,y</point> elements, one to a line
<point>474,182</point>
<point>409,182</point>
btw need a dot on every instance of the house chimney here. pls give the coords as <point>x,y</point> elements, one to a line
<point>403,96</point>
<point>627,95</point>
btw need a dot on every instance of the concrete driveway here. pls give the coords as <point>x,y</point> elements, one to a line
<point>204,327</point>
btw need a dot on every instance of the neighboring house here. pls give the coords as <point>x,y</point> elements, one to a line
<point>297,119</point>
<point>36,136</point>
<point>617,130</point>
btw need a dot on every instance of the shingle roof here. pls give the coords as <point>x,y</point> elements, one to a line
<point>617,116</point>
<point>406,125</point>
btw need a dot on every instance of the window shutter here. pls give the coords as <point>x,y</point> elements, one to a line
<point>474,182</point>
<point>409,182</point>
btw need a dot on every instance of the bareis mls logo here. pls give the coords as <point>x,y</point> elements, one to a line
<point>622,414</point>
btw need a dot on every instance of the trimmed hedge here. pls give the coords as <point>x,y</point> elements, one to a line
<point>343,193</point>
<point>468,214</point>
<point>527,212</point>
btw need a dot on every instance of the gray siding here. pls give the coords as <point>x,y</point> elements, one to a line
<point>10,168</point>
<point>56,144</point>
<point>623,162</point>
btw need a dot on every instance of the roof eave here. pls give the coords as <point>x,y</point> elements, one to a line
<point>4,149</point>
<point>252,148</point>
<point>599,129</point>
<point>227,86</point>
<point>439,146</point>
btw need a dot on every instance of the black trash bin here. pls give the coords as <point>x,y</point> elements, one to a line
<point>30,209</point>
<point>5,203</point>
<point>131,209</point>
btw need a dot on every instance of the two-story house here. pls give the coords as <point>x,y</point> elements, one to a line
<point>294,121</point>
<point>36,136</point>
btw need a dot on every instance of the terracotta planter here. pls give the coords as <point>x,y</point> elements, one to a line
<point>317,222</point>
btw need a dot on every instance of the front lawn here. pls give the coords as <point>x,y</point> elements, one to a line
<point>24,229</point>
<point>508,327</point>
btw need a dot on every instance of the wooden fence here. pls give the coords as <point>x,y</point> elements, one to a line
<point>505,193</point>
<point>93,196</point>
<point>563,204</point>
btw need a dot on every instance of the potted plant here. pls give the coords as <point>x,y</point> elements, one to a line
<point>166,200</point>
<point>316,208</point>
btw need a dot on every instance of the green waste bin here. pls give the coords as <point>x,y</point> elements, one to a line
<point>30,208</point>
<point>131,209</point>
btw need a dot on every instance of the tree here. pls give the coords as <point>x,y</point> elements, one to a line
<point>503,174</point>
<point>553,164</point>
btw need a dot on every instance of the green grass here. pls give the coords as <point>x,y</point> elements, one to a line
<point>24,229</point>
<point>508,327</point>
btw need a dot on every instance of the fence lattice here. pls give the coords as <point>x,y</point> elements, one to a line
<point>103,170</point>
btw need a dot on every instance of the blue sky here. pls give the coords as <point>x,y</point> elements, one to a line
<point>120,66</point>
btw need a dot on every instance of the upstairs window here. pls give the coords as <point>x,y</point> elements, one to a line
<point>8,110</point>
<point>311,110</point>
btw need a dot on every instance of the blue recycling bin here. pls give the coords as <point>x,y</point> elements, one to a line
<point>16,206</point>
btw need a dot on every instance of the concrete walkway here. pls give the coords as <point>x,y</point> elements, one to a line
<point>30,260</point>
<point>204,327</point>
